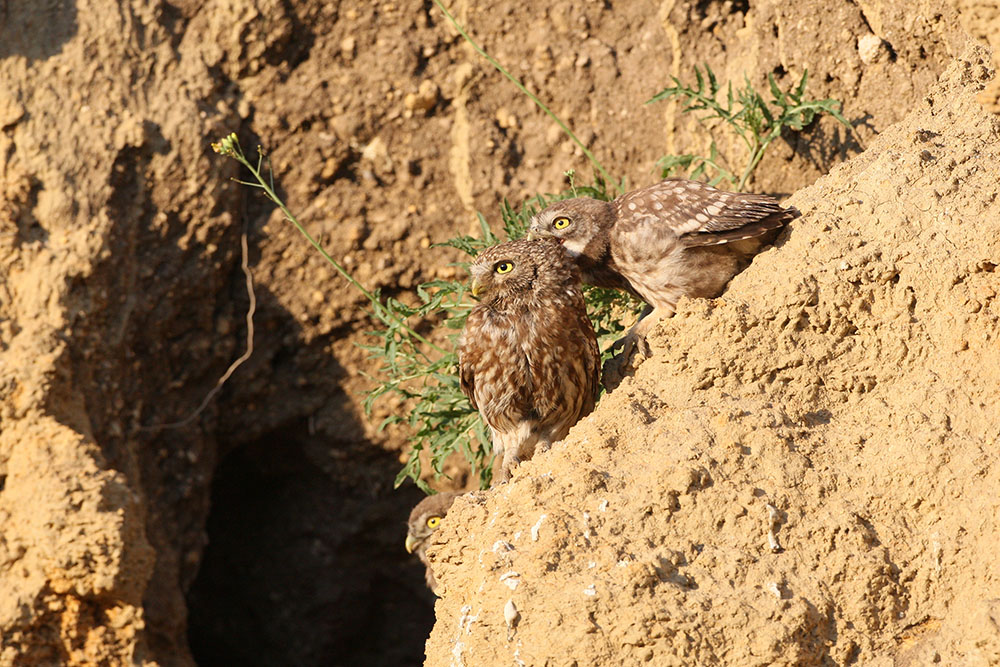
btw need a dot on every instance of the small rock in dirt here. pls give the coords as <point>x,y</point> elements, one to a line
<point>11,111</point>
<point>505,118</point>
<point>869,48</point>
<point>424,99</point>
<point>347,46</point>
<point>463,73</point>
<point>510,614</point>
<point>376,151</point>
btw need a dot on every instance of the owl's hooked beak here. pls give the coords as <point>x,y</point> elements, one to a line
<point>535,234</point>
<point>477,288</point>
<point>411,543</point>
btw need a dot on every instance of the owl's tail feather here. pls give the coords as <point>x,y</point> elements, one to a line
<point>750,230</point>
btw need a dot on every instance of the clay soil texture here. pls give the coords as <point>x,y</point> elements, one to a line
<point>806,472</point>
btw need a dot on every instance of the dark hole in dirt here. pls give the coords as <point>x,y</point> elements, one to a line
<point>305,563</point>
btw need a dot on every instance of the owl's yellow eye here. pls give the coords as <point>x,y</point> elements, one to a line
<point>504,267</point>
<point>560,223</point>
<point>433,522</point>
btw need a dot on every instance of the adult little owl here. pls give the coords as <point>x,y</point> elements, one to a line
<point>528,357</point>
<point>672,239</point>
<point>425,519</point>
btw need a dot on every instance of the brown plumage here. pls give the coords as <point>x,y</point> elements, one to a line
<point>672,239</point>
<point>528,357</point>
<point>424,520</point>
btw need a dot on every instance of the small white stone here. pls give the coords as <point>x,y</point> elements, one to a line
<point>511,579</point>
<point>534,529</point>
<point>772,514</point>
<point>510,614</point>
<point>590,590</point>
<point>869,48</point>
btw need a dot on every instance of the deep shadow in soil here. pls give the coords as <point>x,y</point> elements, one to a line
<point>36,30</point>
<point>305,563</point>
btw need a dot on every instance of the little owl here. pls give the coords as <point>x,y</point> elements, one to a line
<point>672,239</point>
<point>424,520</point>
<point>528,357</point>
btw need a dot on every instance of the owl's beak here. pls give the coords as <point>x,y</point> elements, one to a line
<point>532,235</point>
<point>411,544</point>
<point>477,287</point>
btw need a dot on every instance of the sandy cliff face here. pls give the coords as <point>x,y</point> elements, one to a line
<point>267,529</point>
<point>840,396</point>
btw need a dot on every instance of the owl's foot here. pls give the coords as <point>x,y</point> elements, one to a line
<point>505,470</point>
<point>634,350</point>
<point>501,476</point>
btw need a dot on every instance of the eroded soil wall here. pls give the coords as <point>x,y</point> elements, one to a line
<point>122,300</point>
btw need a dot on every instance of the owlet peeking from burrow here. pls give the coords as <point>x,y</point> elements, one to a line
<point>528,357</point>
<point>426,518</point>
<point>672,239</point>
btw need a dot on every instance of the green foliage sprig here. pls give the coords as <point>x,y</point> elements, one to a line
<point>756,121</point>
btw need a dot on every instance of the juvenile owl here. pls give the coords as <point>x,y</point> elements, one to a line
<point>672,239</point>
<point>424,520</point>
<point>528,357</point>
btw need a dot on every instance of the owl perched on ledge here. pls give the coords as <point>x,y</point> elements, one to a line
<point>672,239</point>
<point>528,357</point>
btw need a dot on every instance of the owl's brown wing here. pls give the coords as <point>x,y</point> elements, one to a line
<point>699,214</point>
<point>493,370</point>
<point>565,365</point>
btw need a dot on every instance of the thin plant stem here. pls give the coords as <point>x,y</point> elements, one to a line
<point>230,146</point>
<point>757,155</point>
<point>245,265</point>
<point>534,98</point>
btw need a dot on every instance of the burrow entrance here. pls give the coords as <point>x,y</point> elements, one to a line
<point>305,563</point>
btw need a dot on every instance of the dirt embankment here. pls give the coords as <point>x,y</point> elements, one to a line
<point>806,472</point>
<point>272,515</point>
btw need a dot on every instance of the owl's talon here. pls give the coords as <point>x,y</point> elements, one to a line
<point>635,350</point>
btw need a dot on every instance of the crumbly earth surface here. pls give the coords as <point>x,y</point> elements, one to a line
<point>806,470</point>
<point>848,379</point>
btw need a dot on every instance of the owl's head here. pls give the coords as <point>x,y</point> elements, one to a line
<point>573,222</point>
<point>515,268</point>
<point>426,518</point>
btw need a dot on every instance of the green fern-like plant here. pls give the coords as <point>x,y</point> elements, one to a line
<point>756,121</point>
